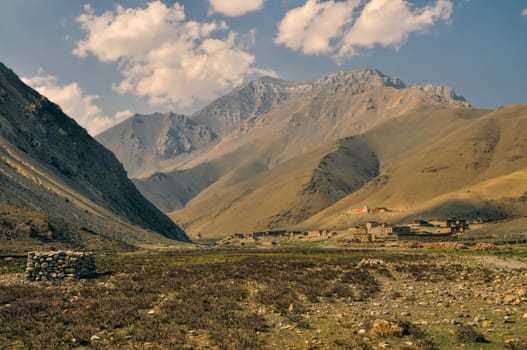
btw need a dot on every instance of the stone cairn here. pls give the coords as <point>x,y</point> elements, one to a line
<point>69,265</point>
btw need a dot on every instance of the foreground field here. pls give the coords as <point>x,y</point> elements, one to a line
<point>281,299</point>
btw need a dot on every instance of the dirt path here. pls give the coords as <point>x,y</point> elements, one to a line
<point>505,263</point>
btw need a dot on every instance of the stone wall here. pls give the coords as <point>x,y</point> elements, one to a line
<point>46,266</point>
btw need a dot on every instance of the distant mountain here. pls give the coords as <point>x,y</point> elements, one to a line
<point>229,113</point>
<point>427,163</point>
<point>308,154</point>
<point>141,142</point>
<point>309,115</point>
<point>145,142</point>
<point>469,163</point>
<point>50,164</point>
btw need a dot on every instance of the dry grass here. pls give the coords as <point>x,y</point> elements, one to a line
<point>235,300</point>
<point>212,299</point>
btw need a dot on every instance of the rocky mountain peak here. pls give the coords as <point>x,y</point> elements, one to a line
<point>446,93</point>
<point>144,149</point>
<point>247,101</point>
<point>365,77</point>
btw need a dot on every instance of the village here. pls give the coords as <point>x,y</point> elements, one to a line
<point>415,230</point>
<point>275,237</point>
<point>436,230</point>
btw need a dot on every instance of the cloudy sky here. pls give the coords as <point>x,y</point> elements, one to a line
<point>103,60</point>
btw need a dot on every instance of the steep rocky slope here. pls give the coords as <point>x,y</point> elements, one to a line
<point>237,109</point>
<point>48,163</point>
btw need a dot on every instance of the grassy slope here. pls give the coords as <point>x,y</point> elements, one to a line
<point>428,163</point>
<point>452,163</point>
<point>281,196</point>
<point>288,131</point>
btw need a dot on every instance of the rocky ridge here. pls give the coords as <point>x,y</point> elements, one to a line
<point>146,144</point>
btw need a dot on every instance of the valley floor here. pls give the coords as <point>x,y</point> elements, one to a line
<point>294,298</point>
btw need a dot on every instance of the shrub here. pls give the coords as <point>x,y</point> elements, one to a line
<point>469,334</point>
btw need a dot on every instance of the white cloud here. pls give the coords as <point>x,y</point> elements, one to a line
<point>164,58</point>
<point>524,12</point>
<point>75,102</point>
<point>310,28</point>
<point>122,115</point>
<point>233,8</point>
<point>345,29</point>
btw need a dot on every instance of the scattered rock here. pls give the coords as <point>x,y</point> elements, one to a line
<point>444,245</point>
<point>509,299</point>
<point>508,319</point>
<point>385,328</point>
<point>484,246</point>
<point>371,262</point>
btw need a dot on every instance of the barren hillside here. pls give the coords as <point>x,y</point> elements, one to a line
<point>50,164</point>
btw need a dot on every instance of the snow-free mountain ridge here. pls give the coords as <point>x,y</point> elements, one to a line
<point>51,165</point>
<point>308,155</point>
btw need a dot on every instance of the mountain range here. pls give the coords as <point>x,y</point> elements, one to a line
<point>349,103</point>
<point>348,148</point>
<point>60,187</point>
<point>274,154</point>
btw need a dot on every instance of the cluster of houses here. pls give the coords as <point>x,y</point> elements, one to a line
<point>367,210</point>
<point>371,232</point>
<point>415,230</point>
<point>274,237</point>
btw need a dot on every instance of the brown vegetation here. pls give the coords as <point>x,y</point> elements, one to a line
<point>264,300</point>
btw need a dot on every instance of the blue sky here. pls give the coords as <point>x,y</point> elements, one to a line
<point>103,60</point>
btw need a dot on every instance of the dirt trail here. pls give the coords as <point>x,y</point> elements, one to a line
<point>505,263</point>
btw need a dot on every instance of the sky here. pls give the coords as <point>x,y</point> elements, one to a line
<point>103,61</point>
